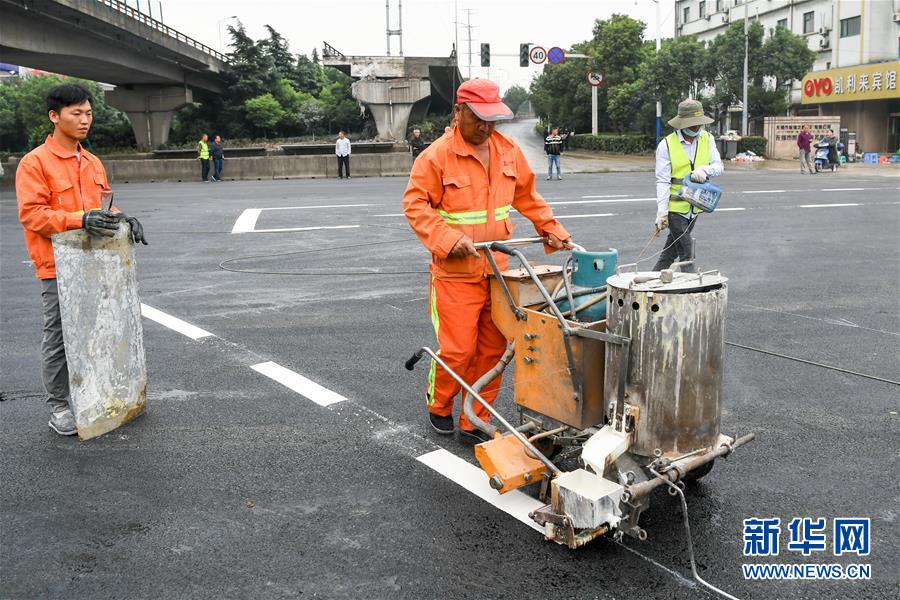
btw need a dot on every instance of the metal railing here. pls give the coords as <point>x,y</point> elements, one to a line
<point>152,23</point>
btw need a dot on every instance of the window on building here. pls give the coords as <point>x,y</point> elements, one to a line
<point>828,65</point>
<point>702,9</point>
<point>809,22</point>
<point>687,14</point>
<point>718,5</point>
<point>782,23</point>
<point>850,27</point>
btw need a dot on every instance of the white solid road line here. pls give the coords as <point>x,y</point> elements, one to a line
<point>843,190</point>
<point>473,479</point>
<point>298,383</point>
<point>764,191</point>
<point>173,323</point>
<point>825,205</point>
<point>391,215</point>
<point>585,216</point>
<point>602,201</point>
<point>320,206</point>
<point>727,209</point>
<point>607,196</point>
<point>247,221</point>
<point>304,228</point>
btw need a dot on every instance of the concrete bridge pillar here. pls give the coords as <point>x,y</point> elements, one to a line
<point>391,101</point>
<point>150,109</point>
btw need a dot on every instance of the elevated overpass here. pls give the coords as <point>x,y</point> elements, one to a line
<point>397,89</point>
<point>153,67</point>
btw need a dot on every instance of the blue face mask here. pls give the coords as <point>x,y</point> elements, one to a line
<point>691,132</point>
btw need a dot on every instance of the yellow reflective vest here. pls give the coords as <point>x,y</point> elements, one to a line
<point>203,150</point>
<point>682,167</point>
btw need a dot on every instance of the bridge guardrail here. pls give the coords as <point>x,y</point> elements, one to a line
<point>161,27</point>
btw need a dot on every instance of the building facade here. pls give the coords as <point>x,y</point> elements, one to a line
<point>851,38</point>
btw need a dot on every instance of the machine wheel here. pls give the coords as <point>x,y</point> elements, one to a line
<point>698,474</point>
<point>547,448</point>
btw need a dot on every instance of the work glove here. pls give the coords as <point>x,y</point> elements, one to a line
<point>662,222</point>
<point>137,230</point>
<point>699,176</point>
<point>100,222</point>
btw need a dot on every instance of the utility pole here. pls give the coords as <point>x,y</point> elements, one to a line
<point>387,22</point>
<point>658,102</point>
<point>746,50</point>
<point>469,12</point>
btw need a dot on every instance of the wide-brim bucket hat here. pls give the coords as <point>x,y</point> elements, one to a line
<point>690,114</point>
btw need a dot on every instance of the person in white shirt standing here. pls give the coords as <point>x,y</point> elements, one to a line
<point>686,152</point>
<point>342,151</point>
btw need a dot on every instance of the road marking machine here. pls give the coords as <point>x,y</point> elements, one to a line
<point>618,373</point>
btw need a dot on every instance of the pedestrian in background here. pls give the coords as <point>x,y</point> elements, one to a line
<point>553,148</point>
<point>342,151</point>
<point>804,139</point>
<point>686,152</point>
<point>203,155</point>
<point>416,143</point>
<point>217,151</point>
<point>46,207</point>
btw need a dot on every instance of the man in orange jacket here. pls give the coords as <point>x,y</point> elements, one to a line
<point>461,191</point>
<point>58,187</point>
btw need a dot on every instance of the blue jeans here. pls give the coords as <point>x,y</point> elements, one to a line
<point>554,159</point>
<point>218,163</point>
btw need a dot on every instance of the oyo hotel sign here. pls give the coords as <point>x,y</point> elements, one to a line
<point>877,81</point>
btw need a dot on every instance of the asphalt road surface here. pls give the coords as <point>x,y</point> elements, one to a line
<point>317,476</point>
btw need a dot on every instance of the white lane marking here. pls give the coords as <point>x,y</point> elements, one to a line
<point>607,196</point>
<point>173,323</point>
<point>391,215</point>
<point>321,206</point>
<point>298,383</point>
<point>473,479</point>
<point>764,191</point>
<point>826,205</point>
<point>727,209</point>
<point>842,190</point>
<point>585,216</point>
<point>247,221</point>
<point>305,228</point>
<point>602,201</point>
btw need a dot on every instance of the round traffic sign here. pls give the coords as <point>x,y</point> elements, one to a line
<point>537,55</point>
<point>556,55</point>
<point>594,79</point>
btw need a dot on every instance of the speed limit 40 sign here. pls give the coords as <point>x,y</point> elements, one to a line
<point>537,55</point>
<point>594,79</point>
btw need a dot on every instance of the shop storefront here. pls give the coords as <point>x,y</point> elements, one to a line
<point>865,97</point>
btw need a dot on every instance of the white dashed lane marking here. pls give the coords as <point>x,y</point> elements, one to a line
<point>295,381</point>
<point>474,480</point>
<point>174,323</point>
<point>826,205</point>
<point>585,216</point>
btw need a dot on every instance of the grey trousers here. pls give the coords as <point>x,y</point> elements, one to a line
<point>806,159</point>
<point>679,244</point>
<point>54,369</point>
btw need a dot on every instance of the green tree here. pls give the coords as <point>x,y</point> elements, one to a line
<point>726,62</point>
<point>786,56</point>
<point>264,111</point>
<point>515,96</point>
<point>311,115</point>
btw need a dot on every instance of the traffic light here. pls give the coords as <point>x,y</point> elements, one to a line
<point>523,55</point>
<point>485,55</point>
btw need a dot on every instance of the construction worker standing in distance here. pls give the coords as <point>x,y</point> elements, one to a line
<point>461,191</point>
<point>687,151</point>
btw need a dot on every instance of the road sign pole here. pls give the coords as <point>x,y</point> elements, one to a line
<point>594,109</point>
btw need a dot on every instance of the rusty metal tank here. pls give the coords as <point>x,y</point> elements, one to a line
<point>676,322</point>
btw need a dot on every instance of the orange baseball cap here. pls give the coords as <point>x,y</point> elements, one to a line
<point>483,98</point>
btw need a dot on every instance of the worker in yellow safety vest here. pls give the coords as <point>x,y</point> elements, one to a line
<point>203,155</point>
<point>687,151</point>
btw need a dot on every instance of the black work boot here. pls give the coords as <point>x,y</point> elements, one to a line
<point>474,436</point>
<point>443,425</point>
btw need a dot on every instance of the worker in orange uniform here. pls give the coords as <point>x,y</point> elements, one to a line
<point>461,191</point>
<point>58,187</point>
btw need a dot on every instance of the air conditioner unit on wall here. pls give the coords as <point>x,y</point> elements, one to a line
<point>823,43</point>
<point>896,17</point>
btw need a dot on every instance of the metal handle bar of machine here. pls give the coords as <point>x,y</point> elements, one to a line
<point>473,394</point>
